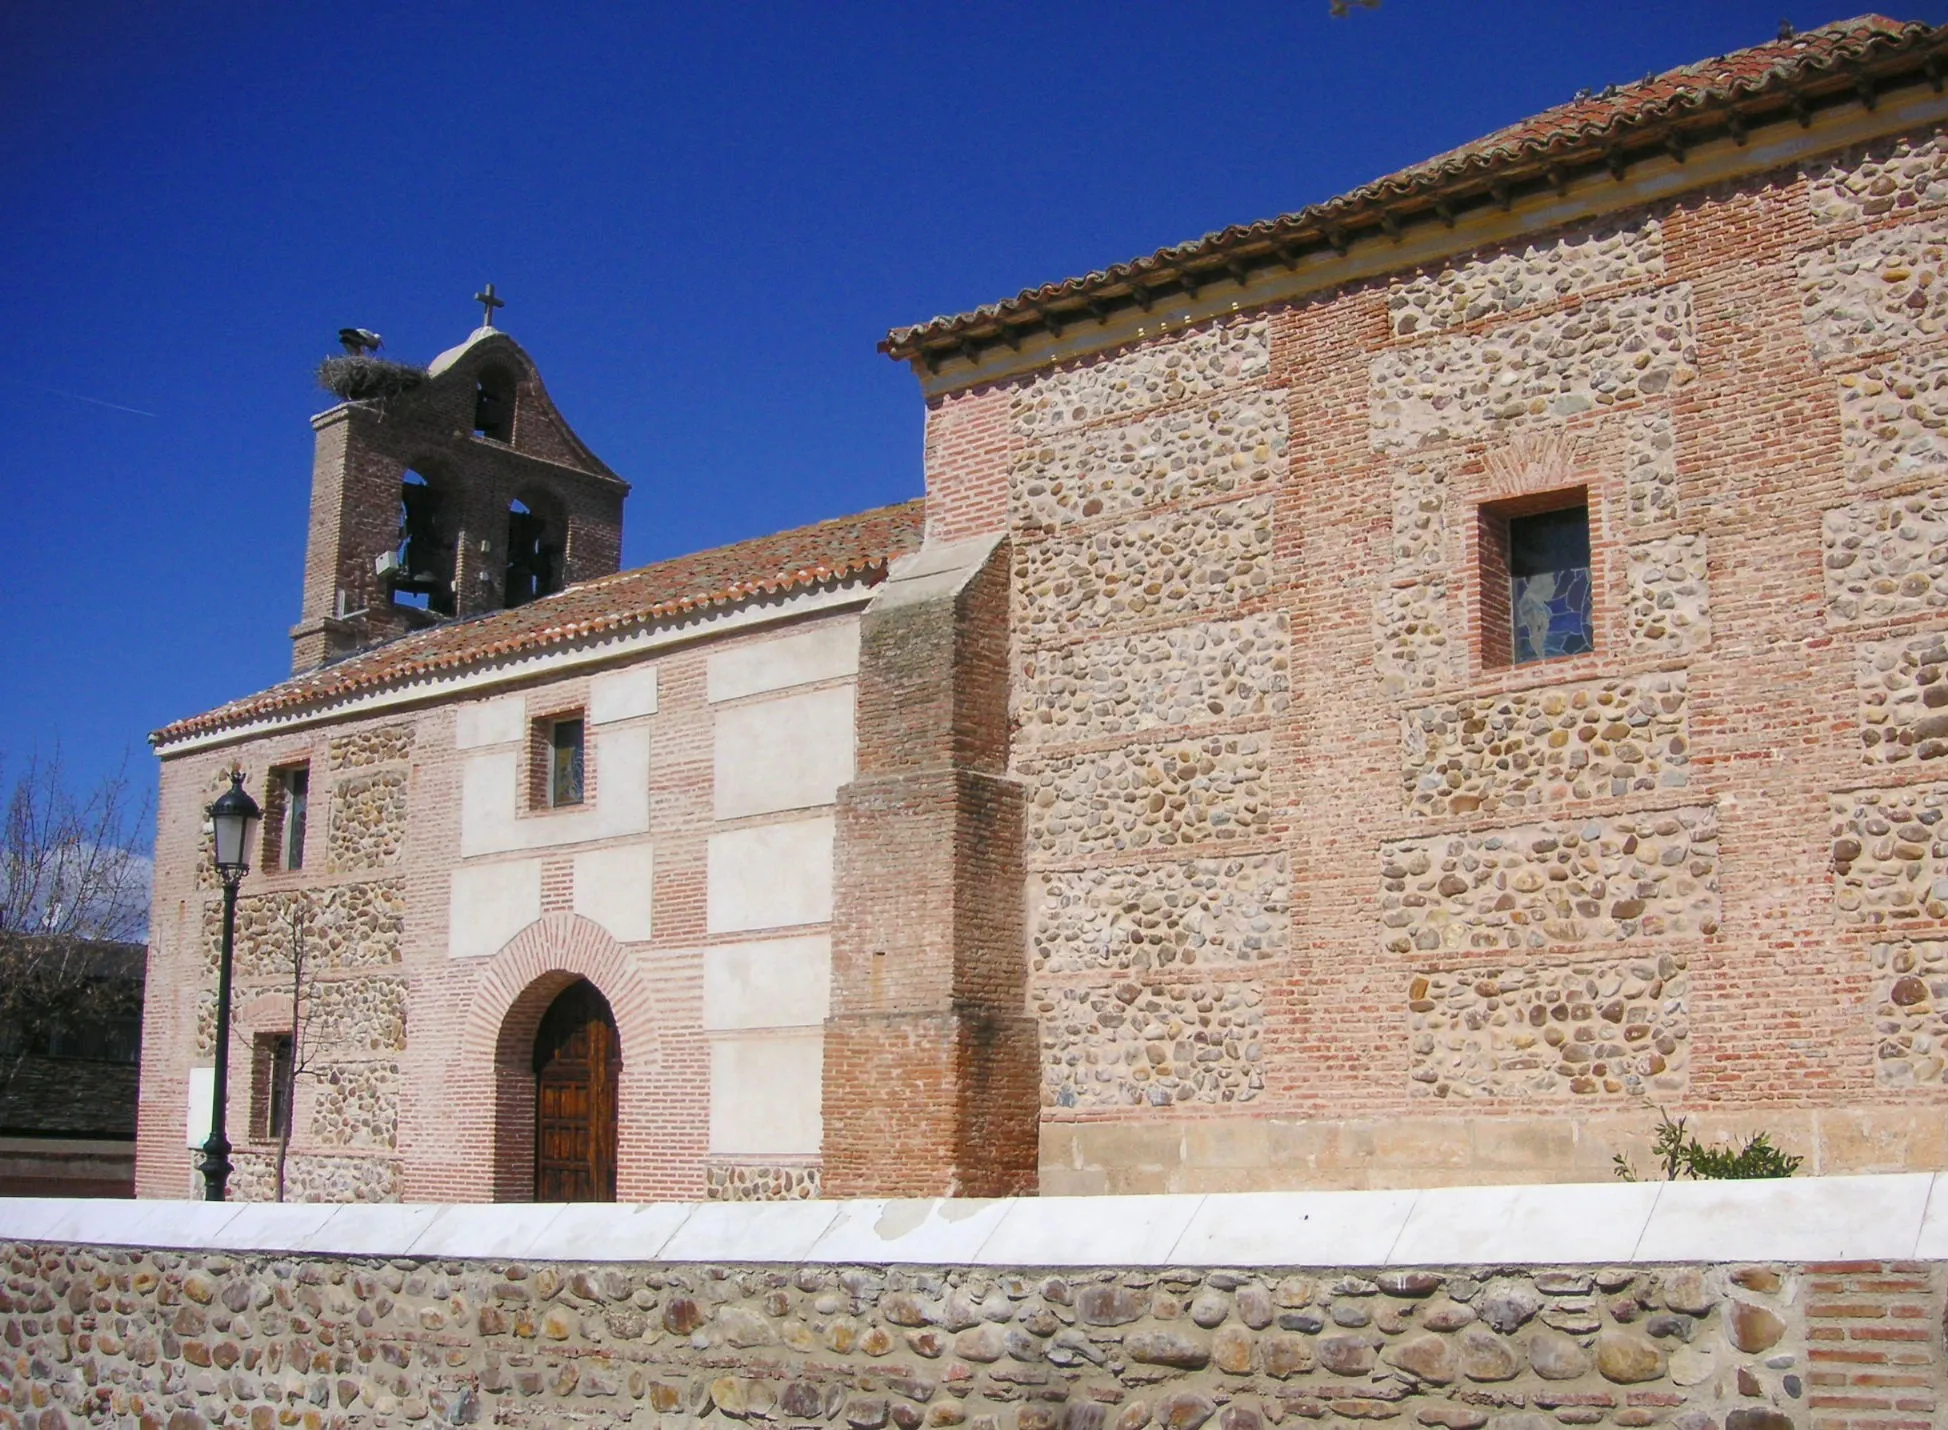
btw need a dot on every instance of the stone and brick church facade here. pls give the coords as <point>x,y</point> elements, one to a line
<point>1390,695</point>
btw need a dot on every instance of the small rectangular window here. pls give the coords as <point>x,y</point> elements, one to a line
<point>271,1085</point>
<point>565,762</point>
<point>297,810</point>
<point>1549,584</point>
<point>287,809</point>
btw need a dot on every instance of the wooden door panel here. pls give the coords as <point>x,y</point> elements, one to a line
<point>577,1073</point>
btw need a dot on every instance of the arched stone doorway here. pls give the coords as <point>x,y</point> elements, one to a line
<point>578,1070</point>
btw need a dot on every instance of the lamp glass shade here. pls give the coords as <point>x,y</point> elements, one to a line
<point>233,820</point>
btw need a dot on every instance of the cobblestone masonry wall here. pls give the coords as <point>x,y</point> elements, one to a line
<point>343,926</point>
<point>1203,363</point>
<point>1540,272</point>
<point>1903,691</point>
<point>1556,366</point>
<point>379,745</point>
<point>1890,854</point>
<point>1668,610</point>
<point>190,1340</point>
<point>1148,796</point>
<point>1875,292</point>
<point>1886,560</point>
<point>1619,1026</point>
<point>1633,876</point>
<point>1144,917</point>
<point>741,1182</point>
<point>1906,174</point>
<point>1229,670</point>
<point>1894,420</point>
<point>314,1177</point>
<point>368,822</point>
<point>1151,1043</point>
<point>1169,565</point>
<point>1536,747</point>
<point>1226,448</point>
<point>1911,1013</point>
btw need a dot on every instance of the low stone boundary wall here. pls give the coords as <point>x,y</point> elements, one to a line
<point>1812,1304</point>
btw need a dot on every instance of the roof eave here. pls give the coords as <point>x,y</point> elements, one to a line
<point>1388,209</point>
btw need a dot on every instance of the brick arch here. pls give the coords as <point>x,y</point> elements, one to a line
<point>504,1010</point>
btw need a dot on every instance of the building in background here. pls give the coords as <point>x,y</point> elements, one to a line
<point>68,1090</point>
<point>1393,694</point>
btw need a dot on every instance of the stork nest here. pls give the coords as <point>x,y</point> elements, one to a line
<point>358,379</point>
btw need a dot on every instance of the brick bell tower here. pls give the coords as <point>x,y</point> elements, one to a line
<point>460,491</point>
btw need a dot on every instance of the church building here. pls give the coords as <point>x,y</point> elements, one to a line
<point>1402,693</point>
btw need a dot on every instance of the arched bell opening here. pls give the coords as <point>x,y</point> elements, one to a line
<point>420,569</point>
<point>494,398</point>
<point>537,540</point>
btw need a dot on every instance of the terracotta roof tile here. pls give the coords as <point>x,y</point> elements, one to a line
<point>866,542</point>
<point>1588,123</point>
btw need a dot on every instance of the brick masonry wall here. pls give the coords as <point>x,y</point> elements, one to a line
<point>186,1340</point>
<point>416,1060</point>
<point>1265,720</point>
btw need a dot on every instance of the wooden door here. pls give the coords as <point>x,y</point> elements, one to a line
<point>577,1065</point>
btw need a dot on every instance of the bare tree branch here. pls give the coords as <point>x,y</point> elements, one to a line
<point>73,883</point>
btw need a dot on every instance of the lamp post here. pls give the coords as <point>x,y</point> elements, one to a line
<point>233,820</point>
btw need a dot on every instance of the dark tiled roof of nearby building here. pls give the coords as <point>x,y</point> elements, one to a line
<point>866,542</point>
<point>1839,62</point>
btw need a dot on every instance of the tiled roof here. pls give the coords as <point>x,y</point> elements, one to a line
<point>865,542</point>
<point>1837,62</point>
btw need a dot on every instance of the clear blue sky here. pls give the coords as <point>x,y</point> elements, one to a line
<point>703,218</point>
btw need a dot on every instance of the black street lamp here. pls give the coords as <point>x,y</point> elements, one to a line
<point>233,820</point>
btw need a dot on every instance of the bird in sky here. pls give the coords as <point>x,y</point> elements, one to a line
<point>359,341</point>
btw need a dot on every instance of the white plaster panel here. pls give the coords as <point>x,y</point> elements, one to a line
<point>490,722</point>
<point>614,887</point>
<point>1788,1219</point>
<point>202,1105</point>
<point>909,1231</point>
<point>789,753</point>
<point>750,1231</point>
<point>825,651</point>
<point>273,1226</point>
<point>483,1231</point>
<point>776,983</point>
<point>622,695</point>
<point>1294,1228</point>
<point>1586,1224</point>
<point>771,876</point>
<point>489,904</point>
<point>595,1229</point>
<point>370,1229</point>
<point>1089,1231</point>
<point>765,1091</point>
<point>490,785</point>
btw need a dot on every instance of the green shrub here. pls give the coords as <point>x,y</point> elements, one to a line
<point>1685,1156</point>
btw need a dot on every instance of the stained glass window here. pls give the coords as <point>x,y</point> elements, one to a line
<point>565,763</point>
<point>1549,584</point>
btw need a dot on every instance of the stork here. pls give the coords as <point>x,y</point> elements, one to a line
<point>359,341</point>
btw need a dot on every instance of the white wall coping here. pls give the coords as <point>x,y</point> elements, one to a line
<point>1876,1218</point>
